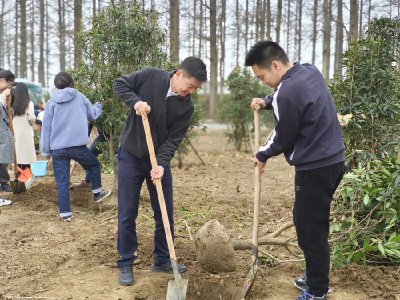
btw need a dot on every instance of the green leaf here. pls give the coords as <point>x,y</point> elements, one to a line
<point>366,199</point>
<point>366,243</point>
<point>380,247</point>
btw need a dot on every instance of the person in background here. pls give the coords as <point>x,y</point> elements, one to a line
<point>24,118</point>
<point>65,136</point>
<point>6,80</point>
<point>6,137</point>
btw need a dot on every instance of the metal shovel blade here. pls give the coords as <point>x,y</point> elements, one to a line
<point>18,186</point>
<point>248,283</point>
<point>177,289</point>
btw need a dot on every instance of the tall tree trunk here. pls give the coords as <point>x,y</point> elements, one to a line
<point>174,30</point>
<point>32,40</point>
<point>237,32</point>
<point>16,40</point>
<point>41,44</point>
<point>288,28</point>
<point>257,17</point>
<point>370,8</point>
<point>94,9</point>
<point>327,40</point>
<point>201,28</point>
<point>222,45</point>
<point>299,30</point>
<point>2,45</point>
<point>360,30</point>
<point>353,31</point>
<point>194,26</point>
<point>24,62</point>
<point>61,35</point>
<point>278,22</point>
<point>339,38</point>
<point>262,19</point>
<point>246,37</point>
<point>77,29</point>
<point>47,43</point>
<point>268,8</point>
<point>315,32</point>
<point>213,59</point>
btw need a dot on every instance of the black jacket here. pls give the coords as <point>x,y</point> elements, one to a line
<point>307,128</point>
<point>169,118</point>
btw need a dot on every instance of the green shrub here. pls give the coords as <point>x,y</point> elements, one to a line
<point>234,109</point>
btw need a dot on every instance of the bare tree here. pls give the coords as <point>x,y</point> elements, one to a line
<point>339,38</point>
<point>246,37</point>
<point>213,59</point>
<point>237,32</point>
<point>174,30</point>
<point>326,54</point>
<point>24,62</point>
<point>61,35</point>
<point>194,25</point>
<point>288,28</point>
<point>268,4</point>
<point>300,2</point>
<point>360,30</point>
<point>222,25</point>
<point>353,31</point>
<point>32,39</point>
<point>41,43</point>
<point>278,21</point>
<point>77,29</point>
<point>201,27</point>
<point>16,41</point>
<point>315,32</point>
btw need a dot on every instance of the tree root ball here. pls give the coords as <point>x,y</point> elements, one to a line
<point>214,249</point>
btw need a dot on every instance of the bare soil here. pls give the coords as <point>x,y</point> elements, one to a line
<point>44,258</point>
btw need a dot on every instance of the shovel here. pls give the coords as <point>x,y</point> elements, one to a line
<point>16,185</point>
<point>177,287</point>
<point>251,276</point>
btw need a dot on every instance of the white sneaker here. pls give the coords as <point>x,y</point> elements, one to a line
<point>4,202</point>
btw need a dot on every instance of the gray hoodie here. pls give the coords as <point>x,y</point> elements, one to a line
<point>65,121</point>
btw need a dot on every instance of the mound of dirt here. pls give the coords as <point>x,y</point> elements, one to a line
<point>214,250</point>
<point>377,282</point>
<point>43,196</point>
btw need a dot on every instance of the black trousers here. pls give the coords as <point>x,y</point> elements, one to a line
<point>4,177</point>
<point>314,191</point>
<point>132,171</point>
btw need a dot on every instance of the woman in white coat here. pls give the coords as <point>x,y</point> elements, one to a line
<point>24,118</point>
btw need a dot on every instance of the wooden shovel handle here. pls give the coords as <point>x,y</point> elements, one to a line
<point>160,193</point>
<point>257,184</point>
<point>10,119</point>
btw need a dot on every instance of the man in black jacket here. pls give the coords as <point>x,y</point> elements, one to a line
<point>168,96</point>
<point>308,132</point>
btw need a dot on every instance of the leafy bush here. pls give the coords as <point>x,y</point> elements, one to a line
<point>234,109</point>
<point>124,38</point>
<point>368,225</point>
<point>367,205</point>
<point>370,90</point>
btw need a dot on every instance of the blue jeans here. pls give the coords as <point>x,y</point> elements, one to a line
<point>132,171</point>
<point>61,165</point>
<point>93,148</point>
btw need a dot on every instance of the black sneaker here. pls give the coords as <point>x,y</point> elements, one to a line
<point>167,268</point>
<point>126,275</point>
<point>5,187</point>
<point>103,195</point>
<point>301,283</point>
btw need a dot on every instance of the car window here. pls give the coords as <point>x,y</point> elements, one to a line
<point>35,94</point>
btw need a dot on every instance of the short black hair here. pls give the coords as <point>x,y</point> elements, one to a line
<point>63,80</point>
<point>7,74</point>
<point>194,67</point>
<point>263,53</point>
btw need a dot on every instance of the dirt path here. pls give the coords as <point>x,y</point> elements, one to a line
<point>44,257</point>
